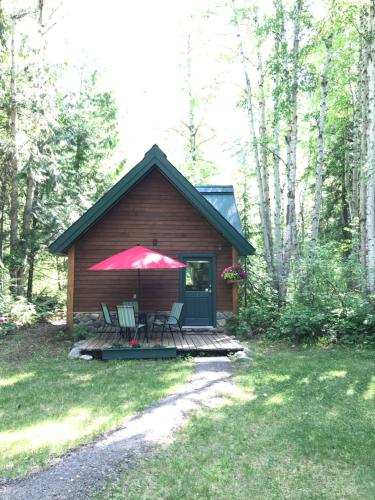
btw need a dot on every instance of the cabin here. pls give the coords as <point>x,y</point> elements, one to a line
<point>155,206</point>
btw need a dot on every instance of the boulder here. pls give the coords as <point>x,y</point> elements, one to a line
<point>241,356</point>
<point>74,353</point>
<point>86,357</point>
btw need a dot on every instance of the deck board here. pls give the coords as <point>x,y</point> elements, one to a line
<point>192,342</point>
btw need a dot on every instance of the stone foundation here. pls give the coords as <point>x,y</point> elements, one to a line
<point>222,318</point>
<point>94,320</point>
<point>91,320</point>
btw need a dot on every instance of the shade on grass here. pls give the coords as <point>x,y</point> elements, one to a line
<point>50,404</point>
<point>303,428</point>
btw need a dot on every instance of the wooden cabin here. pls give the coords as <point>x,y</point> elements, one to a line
<point>155,206</point>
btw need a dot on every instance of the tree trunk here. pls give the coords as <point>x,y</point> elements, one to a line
<point>320,159</point>
<point>277,216</point>
<point>13,161</point>
<point>3,202</point>
<point>266,232</point>
<point>290,239</point>
<point>263,151</point>
<point>363,151</point>
<point>370,193</point>
<point>25,243</point>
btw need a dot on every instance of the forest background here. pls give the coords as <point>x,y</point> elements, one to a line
<point>277,98</point>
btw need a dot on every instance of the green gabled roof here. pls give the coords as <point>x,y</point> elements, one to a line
<point>153,158</point>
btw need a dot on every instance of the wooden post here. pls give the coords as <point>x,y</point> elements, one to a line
<point>235,307</point>
<point>70,290</point>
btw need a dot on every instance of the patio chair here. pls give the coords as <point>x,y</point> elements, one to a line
<point>172,319</point>
<point>107,315</point>
<point>127,322</point>
<point>134,305</point>
<point>140,317</point>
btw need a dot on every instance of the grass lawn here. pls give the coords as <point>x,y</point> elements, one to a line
<point>304,429</point>
<point>49,404</point>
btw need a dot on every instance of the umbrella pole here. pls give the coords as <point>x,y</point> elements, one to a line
<point>139,288</point>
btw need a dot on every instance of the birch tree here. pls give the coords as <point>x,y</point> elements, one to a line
<point>363,149</point>
<point>370,193</point>
<point>320,158</point>
<point>266,230</point>
<point>279,50</point>
<point>290,237</point>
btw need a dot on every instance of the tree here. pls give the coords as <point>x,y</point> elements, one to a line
<point>370,193</point>
<point>194,130</point>
<point>320,158</point>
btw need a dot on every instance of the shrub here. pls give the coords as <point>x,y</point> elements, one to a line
<point>323,303</point>
<point>6,328</point>
<point>81,332</point>
<point>22,313</point>
<point>49,303</point>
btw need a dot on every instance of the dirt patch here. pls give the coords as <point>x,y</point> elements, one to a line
<point>24,343</point>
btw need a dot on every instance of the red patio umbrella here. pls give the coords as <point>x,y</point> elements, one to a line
<point>137,257</point>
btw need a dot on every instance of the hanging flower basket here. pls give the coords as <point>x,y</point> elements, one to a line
<point>233,274</point>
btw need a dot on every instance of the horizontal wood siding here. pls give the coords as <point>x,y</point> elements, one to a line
<point>154,209</point>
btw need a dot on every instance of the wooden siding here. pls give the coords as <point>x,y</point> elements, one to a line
<point>154,209</point>
<point>70,290</point>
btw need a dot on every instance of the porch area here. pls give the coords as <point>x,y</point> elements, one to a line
<point>193,343</point>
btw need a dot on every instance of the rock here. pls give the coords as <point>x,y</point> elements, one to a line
<point>241,356</point>
<point>86,357</point>
<point>249,352</point>
<point>74,353</point>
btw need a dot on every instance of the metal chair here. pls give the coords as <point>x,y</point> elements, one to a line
<point>107,315</point>
<point>134,305</point>
<point>127,322</point>
<point>172,319</point>
<point>139,317</point>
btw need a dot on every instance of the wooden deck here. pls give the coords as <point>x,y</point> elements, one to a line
<point>190,343</point>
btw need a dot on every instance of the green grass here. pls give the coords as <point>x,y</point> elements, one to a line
<point>50,404</point>
<point>302,429</point>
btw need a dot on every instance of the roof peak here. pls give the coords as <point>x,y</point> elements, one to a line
<point>155,151</point>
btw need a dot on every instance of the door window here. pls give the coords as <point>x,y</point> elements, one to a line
<point>197,275</point>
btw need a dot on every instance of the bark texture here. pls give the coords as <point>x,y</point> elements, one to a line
<point>370,194</point>
<point>320,159</point>
<point>266,230</point>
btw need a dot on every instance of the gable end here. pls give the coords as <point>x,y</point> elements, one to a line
<point>154,158</point>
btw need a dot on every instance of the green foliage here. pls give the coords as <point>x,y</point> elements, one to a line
<point>6,328</point>
<point>260,312</point>
<point>22,312</point>
<point>81,332</point>
<point>322,305</point>
<point>48,303</point>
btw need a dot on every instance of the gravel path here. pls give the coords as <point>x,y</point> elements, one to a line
<point>81,473</point>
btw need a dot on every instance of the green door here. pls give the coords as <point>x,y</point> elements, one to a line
<point>198,290</point>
